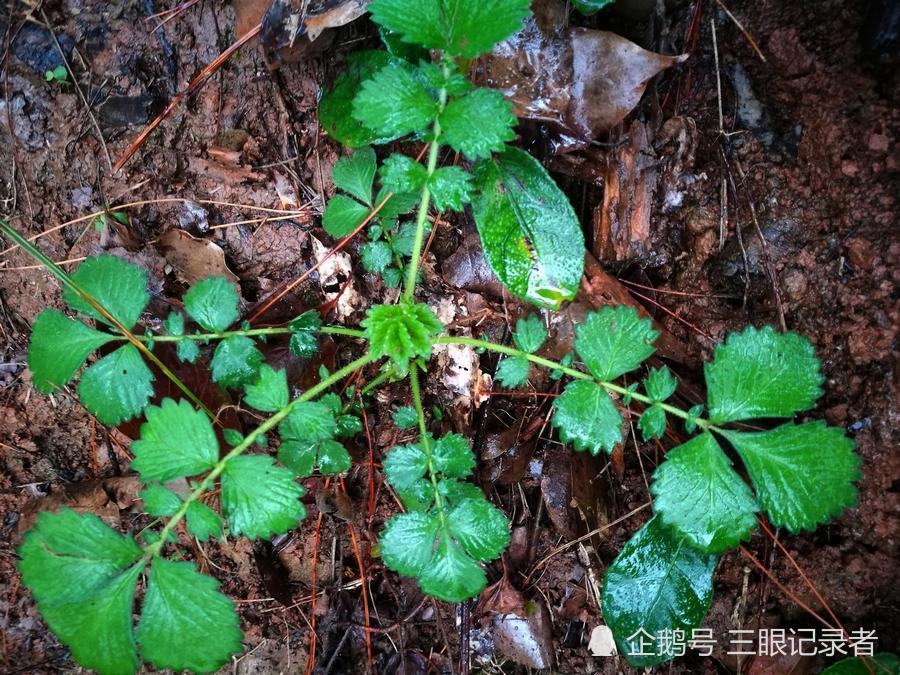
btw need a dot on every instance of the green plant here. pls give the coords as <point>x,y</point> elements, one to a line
<point>800,474</point>
<point>58,74</point>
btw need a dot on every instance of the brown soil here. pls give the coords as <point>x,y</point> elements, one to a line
<point>818,168</point>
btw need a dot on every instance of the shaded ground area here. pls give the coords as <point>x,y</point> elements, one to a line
<point>786,212</point>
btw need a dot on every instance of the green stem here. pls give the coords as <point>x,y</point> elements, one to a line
<point>279,330</point>
<point>572,372</point>
<point>426,443</point>
<point>419,240</point>
<point>155,548</point>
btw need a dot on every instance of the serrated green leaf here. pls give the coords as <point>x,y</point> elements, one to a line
<point>803,474</point>
<point>187,351</point>
<point>176,441</point>
<point>531,236</point>
<point>401,332</point>
<point>159,501</point>
<point>403,240</point>
<point>660,384</point>
<point>343,215</point>
<point>404,466</point>
<point>394,103</point>
<point>614,341</point>
<point>355,174</point>
<point>270,391</point>
<point>453,456</point>
<point>652,422</point>
<point>298,456</point>
<point>376,256</point>
<point>480,528</point>
<point>457,491</point>
<point>333,458</point>
<point>396,206</point>
<point>52,367</point>
<point>588,7</point>
<point>530,334</point>
<point>348,426</point>
<point>451,575</point>
<point>761,373</point>
<point>701,497</point>
<point>174,323</point>
<point>405,417</point>
<point>512,371</point>
<point>186,623</point>
<point>407,542</point>
<point>883,663</point>
<point>419,496</point>
<point>460,27</point>
<point>392,277</point>
<point>587,418</point>
<point>235,362</point>
<point>83,576</point>
<point>260,499</point>
<point>202,521</point>
<point>308,422</point>
<point>657,582</point>
<point>451,188</point>
<point>335,108</point>
<point>117,387</point>
<point>400,173</point>
<point>444,75</point>
<point>304,339</point>
<point>213,303</point>
<point>119,287</point>
<point>479,123</point>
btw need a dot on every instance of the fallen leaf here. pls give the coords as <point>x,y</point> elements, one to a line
<point>104,498</point>
<point>192,258</point>
<point>336,280</point>
<point>522,629</point>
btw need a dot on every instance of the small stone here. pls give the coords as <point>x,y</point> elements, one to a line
<point>879,142</point>
<point>849,168</point>
<point>837,415</point>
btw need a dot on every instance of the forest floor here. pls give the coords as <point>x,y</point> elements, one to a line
<point>806,239</point>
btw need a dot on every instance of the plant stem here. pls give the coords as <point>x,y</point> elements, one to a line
<point>426,442</point>
<point>425,202</point>
<point>572,372</point>
<point>155,548</point>
<point>275,330</point>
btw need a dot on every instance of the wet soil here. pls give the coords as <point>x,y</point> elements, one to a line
<point>808,154</point>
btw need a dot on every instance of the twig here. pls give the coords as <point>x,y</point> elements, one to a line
<point>743,30</point>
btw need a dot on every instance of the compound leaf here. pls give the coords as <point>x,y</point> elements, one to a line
<point>460,27</point>
<point>451,575</point>
<point>761,373</point>
<point>355,174</point>
<point>186,623</point>
<point>83,574</point>
<point>401,332</point>
<point>701,497</point>
<point>202,521</point>
<point>400,174</point>
<point>530,334</point>
<point>270,391</point>
<point>479,123</point>
<point>613,341</point>
<point>176,441</point>
<point>657,582</point>
<point>343,215</point>
<point>212,303</point>
<point>452,456</point>
<point>451,188</point>
<point>335,108</point>
<point>404,466</point>
<point>803,474</point>
<point>480,528</point>
<point>512,371</point>
<point>235,362</point>
<point>587,418</point>
<point>393,102</point>
<point>260,499</point>
<point>407,542</point>
<point>117,387</point>
<point>531,236</point>
<point>52,367</point>
<point>119,287</point>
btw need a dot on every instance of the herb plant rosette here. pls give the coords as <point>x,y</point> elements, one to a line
<point>84,575</point>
